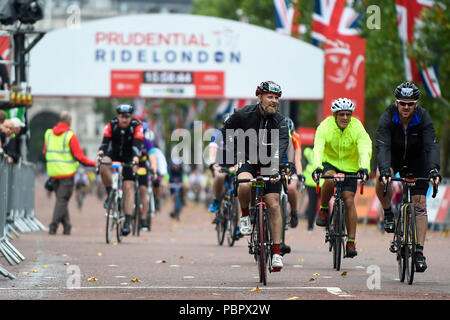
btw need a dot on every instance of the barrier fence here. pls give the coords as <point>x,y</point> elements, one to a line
<point>16,209</point>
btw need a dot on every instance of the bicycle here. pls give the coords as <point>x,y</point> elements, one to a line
<point>288,168</point>
<point>335,229</point>
<point>227,216</point>
<point>138,206</point>
<point>115,218</point>
<point>405,229</point>
<point>260,243</point>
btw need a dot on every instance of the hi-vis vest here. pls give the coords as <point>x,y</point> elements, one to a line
<point>59,158</point>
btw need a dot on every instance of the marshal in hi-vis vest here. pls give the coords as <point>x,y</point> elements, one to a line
<point>59,159</point>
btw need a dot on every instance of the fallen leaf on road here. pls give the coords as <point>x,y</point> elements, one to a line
<point>293,298</point>
<point>25,272</point>
<point>135,280</point>
<point>46,266</point>
<point>256,289</point>
<point>92,279</point>
<point>66,264</point>
<point>300,260</point>
<point>344,273</point>
<point>312,279</point>
<point>181,257</point>
<point>161,261</point>
<point>316,274</point>
<point>99,254</point>
<point>34,270</point>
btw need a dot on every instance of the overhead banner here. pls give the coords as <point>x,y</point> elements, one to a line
<point>173,56</point>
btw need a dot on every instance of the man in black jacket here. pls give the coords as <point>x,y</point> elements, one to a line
<point>263,138</point>
<point>406,138</point>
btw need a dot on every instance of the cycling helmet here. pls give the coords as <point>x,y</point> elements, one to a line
<point>290,124</point>
<point>407,90</point>
<point>268,87</point>
<point>176,161</point>
<point>144,127</point>
<point>342,104</point>
<point>125,108</point>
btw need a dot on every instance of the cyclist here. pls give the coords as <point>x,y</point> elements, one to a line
<point>406,137</point>
<point>294,155</point>
<point>218,155</point>
<point>263,118</point>
<point>122,141</point>
<point>341,145</point>
<point>147,168</point>
<point>176,176</point>
<point>81,180</point>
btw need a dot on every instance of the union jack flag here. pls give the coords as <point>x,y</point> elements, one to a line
<point>334,16</point>
<point>286,17</point>
<point>408,18</point>
<point>228,106</point>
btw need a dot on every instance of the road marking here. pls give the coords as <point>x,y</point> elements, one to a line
<point>332,290</point>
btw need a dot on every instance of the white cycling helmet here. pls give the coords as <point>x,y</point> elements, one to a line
<point>342,104</point>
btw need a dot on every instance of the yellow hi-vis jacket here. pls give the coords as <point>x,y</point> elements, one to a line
<point>60,162</point>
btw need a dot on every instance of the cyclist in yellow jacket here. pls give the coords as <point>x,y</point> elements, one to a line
<point>341,144</point>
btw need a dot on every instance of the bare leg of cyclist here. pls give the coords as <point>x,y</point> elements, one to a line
<point>276,229</point>
<point>245,196</point>
<point>105,173</point>
<point>292,199</point>
<point>421,219</point>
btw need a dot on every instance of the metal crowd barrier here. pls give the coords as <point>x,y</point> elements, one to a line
<point>16,209</point>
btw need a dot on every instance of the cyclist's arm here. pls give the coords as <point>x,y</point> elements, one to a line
<point>138,139</point>
<point>107,135</point>
<point>430,143</point>
<point>297,152</point>
<point>383,143</point>
<point>364,144</point>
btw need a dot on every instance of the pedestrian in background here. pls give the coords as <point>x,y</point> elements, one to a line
<point>62,154</point>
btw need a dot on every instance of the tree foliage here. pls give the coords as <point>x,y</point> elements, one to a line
<point>384,63</point>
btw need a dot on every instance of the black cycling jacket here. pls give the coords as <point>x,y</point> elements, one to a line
<point>395,145</point>
<point>250,117</point>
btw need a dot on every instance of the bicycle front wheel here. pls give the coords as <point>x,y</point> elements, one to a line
<point>110,216</point>
<point>411,241</point>
<point>231,223</point>
<point>262,248</point>
<point>137,214</point>
<point>338,232</point>
<point>399,242</point>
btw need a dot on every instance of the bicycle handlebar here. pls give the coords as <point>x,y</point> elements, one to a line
<point>412,180</point>
<point>124,164</point>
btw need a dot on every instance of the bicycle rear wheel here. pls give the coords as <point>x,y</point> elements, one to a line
<point>411,241</point>
<point>221,225</point>
<point>120,220</point>
<point>231,223</point>
<point>110,212</point>
<point>262,248</point>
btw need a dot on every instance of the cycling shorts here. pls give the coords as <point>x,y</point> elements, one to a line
<point>416,166</point>
<point>252,169</point>
<point>127,172</point>
<point>349,184</point>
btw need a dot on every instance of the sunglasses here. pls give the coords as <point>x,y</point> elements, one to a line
<point>345,114</point>
<point>406,103</point>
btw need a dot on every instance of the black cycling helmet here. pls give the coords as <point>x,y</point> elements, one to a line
<point>407,90</point>
<point>268,87</point>
<point>125,109</point>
